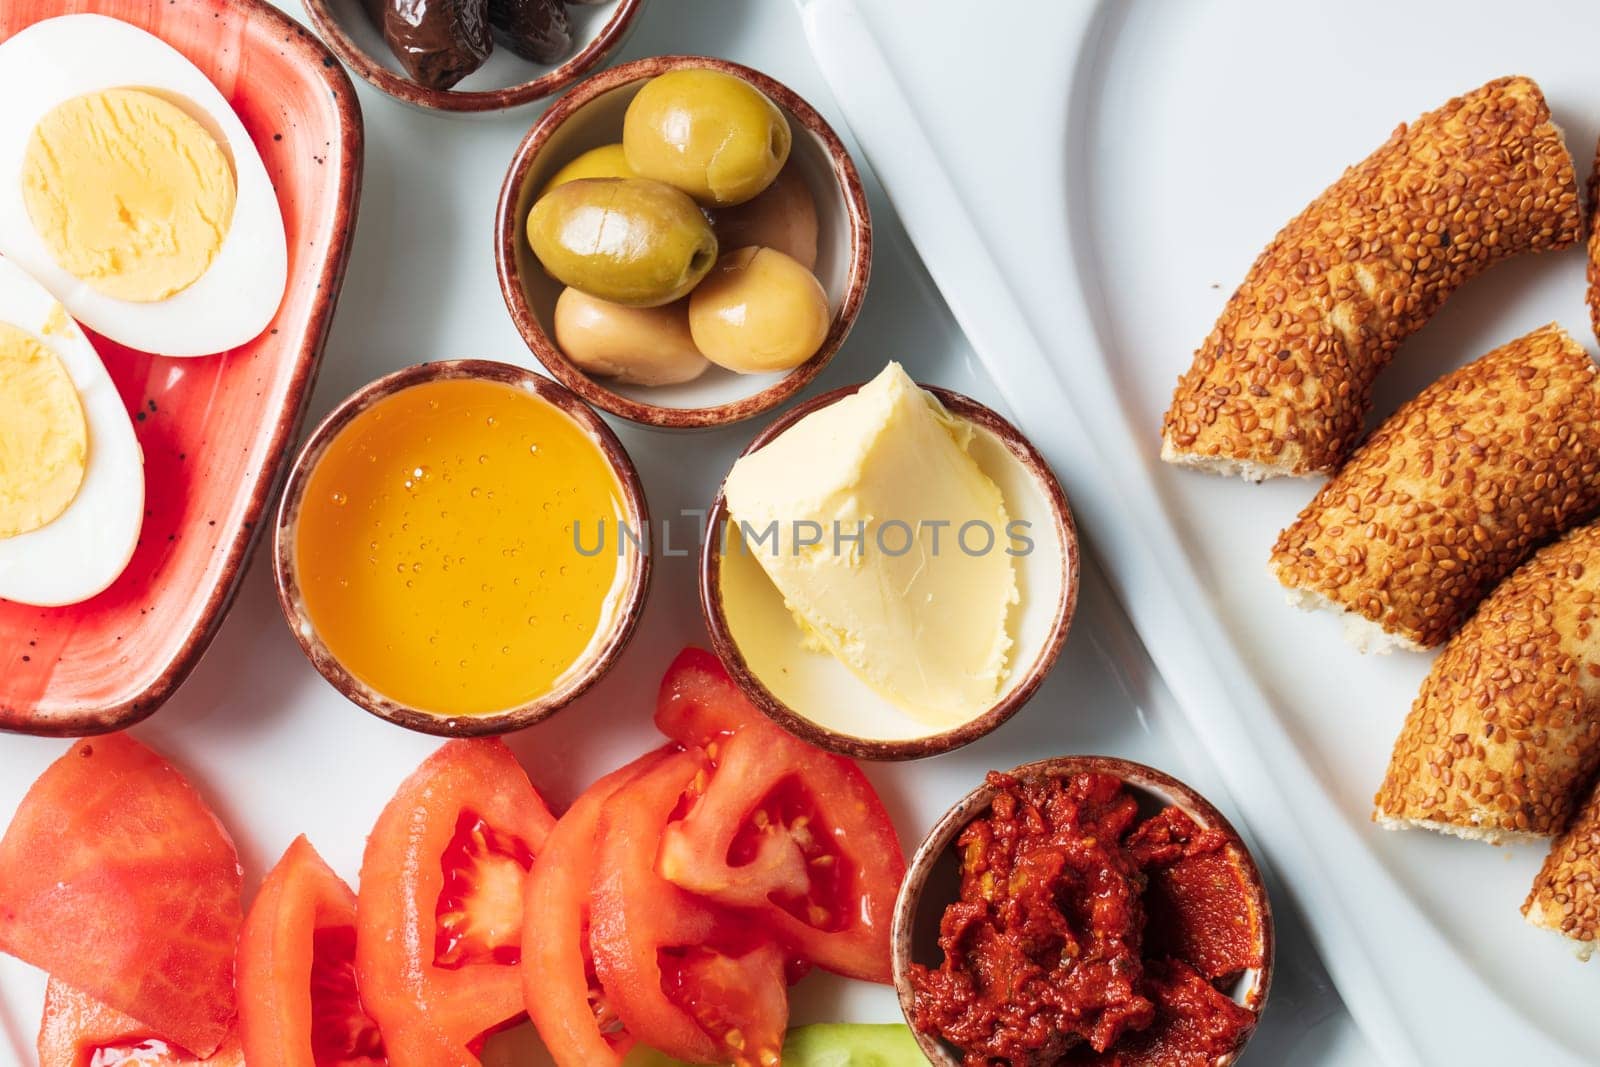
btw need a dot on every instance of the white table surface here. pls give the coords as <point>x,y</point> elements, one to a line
<point>421,286</point>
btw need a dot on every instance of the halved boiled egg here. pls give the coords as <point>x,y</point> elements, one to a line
<point>131,191</point>
<point>71,470</point>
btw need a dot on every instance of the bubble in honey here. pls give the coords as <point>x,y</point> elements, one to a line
<point>454,463</point>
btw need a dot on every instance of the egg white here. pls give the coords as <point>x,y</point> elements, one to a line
<point>88,545</point>
<point>232,302</point>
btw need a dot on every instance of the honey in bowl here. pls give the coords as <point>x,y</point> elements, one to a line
<point>437,546</point>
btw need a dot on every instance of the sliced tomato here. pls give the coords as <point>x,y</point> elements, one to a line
<point>796,835</point>
<point>79,1031</point>
<point>684,977</point>
<point>116,878</point>
<point>698,702</point>
<point>296,971</point>
<point>564,997</point>
<point>439,913</point>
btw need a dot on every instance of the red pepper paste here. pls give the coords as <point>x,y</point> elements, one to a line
<point>1195,1023</point>
<point>1072,937</point>
<point>1198,902</point>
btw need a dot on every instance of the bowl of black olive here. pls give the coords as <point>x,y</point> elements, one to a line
<point>472,55</point>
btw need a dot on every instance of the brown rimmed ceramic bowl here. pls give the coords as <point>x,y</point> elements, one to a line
<point>591,115</point>
<point>505,81</point>
<point>600,656</point>
<point>757,639</point>
<point>933,882</point>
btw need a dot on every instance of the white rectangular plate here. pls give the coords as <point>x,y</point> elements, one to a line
<point>1193,132</point>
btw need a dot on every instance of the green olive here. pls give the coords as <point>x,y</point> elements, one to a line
<point>758,311</point>
<point>635,346</point>
<point>607,161</point>
<point>783,217</point>
<point>627,240</point>
<point>715,136</point>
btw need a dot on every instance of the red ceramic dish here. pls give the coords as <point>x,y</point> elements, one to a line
<point>217,430</point>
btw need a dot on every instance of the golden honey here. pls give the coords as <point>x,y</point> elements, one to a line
<point>436,546</point>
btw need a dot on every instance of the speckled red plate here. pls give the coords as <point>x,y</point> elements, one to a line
<point>216,431</point>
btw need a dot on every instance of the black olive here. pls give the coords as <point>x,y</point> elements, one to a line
<point>438,42</point>
<point>534,29</point>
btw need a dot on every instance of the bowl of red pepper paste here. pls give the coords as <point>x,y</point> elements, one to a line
<point>1085,910</point>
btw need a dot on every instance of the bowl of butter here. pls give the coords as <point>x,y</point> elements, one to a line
<point>891,570</point>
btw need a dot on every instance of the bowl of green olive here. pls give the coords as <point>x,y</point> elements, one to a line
<point>683,241</point>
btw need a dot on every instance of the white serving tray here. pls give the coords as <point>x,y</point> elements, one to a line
<point>280,752</point>
<point>1194,131</point>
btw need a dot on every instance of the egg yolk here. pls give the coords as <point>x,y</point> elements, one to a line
<point>44,440</point>
<point>437,546</point>
<point>128,193</point>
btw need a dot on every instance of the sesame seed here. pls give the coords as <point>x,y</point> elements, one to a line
<point>1329,301</point>
<point>1566,892</point>
<point>1455,538</point>
<point>1511,707</point>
